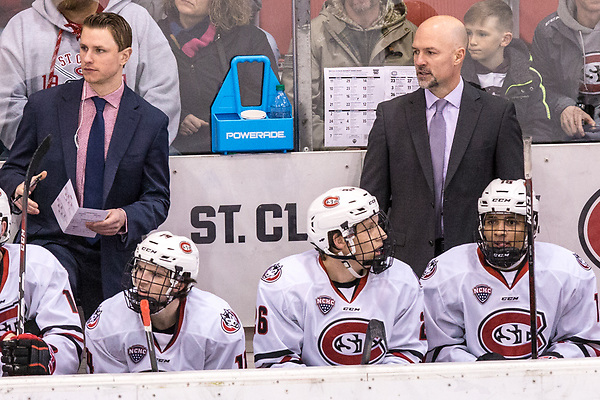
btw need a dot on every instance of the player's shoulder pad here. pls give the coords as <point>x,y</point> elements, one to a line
<point>455,261</point>
<point>214,311</point>
<point>555,257</point>
<point>293,269</point>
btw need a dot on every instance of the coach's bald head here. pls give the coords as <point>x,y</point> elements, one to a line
<point>439,50</point>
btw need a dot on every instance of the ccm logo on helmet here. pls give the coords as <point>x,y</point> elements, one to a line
<point>506,332</point>
<point>331,201</point>
<point>149,250</point>
<point>342,342</point>
<point>185,247</point>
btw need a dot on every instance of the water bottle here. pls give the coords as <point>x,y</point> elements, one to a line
<point>281,107</point>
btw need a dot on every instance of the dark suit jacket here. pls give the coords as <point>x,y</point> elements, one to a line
<point>136,176</point>
<point>398,169</point>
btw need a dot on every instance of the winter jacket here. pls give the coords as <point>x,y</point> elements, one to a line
<point>559,57</point>
<point>202,75</point>
<point>523,86</point>
<point>28,43</point>
<point>337,41</point>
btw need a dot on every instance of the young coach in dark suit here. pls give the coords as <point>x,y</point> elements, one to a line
<point>480,140</point>
<point>131,181</point>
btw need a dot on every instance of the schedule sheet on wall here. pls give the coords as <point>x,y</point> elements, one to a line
<point>351,98</point>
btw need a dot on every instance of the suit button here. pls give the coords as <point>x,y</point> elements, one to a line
<point>432,205</point>
<point>431,242</point>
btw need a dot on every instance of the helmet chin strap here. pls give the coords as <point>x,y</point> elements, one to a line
<point>352,271</point>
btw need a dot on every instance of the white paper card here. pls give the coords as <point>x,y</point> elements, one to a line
<point>72,218</point>
<point>351,97</point>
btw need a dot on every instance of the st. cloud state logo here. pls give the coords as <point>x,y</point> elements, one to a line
<point>342,342</point>
<point>506,332</point>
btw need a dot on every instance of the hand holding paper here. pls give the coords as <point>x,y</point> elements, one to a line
<point>72,218</point>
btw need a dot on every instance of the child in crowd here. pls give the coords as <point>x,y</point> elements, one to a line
<point>501,65</point>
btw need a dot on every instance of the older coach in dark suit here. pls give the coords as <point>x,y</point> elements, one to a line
<point>126,173</point>
<point>427,161</point>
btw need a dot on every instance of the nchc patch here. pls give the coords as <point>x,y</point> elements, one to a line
<point>230,322</point>
<point>272,273</point>
<point>325,303</point>
<point>482,293</point>
<point>137,352</point>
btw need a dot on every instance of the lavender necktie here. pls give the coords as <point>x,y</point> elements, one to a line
<point>437,144</point>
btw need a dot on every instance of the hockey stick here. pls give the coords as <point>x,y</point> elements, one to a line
<point>530,248</point>
<point>145,308</point>
<point>34,164</point>
<point>375,333</point>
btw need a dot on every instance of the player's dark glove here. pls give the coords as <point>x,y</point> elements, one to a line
<point>490,357</point>
<point>26,354</point>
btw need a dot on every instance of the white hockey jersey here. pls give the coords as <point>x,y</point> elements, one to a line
<point>303,319</point>
<point>471,309</point>
<point>48,300</point>
<point>208,335</point>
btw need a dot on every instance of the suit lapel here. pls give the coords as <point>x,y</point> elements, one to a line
<point>68,121</point>
<point>470,108</point>
<point>125,127</point>
<point>417,126</point>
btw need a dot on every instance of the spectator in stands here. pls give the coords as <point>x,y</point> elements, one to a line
<point>565,50</point>
<point>477,294</point>
<point>192,329</point>
<point>501,65</point>
<point>353,33</point>
<point>39,48</point>
<point>112,145</point>
<point>313,308</point>
<point>205,35</point>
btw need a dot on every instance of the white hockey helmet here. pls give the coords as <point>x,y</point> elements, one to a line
<point>340,210</point>
<point>5,216</point>
<point>505,197</point>
<point>178,255</point>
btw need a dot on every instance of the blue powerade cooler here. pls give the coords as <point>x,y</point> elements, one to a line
<point>232,133</point>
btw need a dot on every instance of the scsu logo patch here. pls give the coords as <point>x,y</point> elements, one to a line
<point>230,322</point>
<point>482,293</point>
<point>186,247</point>
<point>272,273</point>
<point>342,342</point>
<point>430,270</point>
<point>94,319</point>
<point>331,201</point>
<point>325,303</point>
<point>506,332</point>
<point>137,352</point>
<point>581,262</point>
<point>589,228</point>
<point>591,84</point>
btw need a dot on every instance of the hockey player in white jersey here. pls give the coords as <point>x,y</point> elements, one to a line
<point>192,329</point>
<point>50,311</point>
<point>313,308</point>
<point>477,295</point>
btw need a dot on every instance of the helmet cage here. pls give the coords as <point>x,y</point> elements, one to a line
<point>503,258</point>
<point>162,285</point>
<point>364,252</point>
